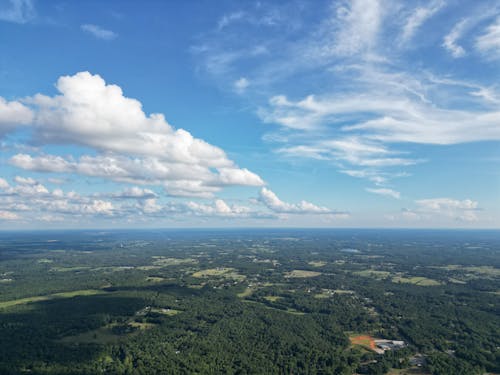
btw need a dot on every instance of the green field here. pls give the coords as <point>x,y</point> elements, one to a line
<point>302,274</point>
<point>421,281</point>
<point>22,301</point>
<point>375,274</point>
<point>317,263</point>
<point>225,272</point>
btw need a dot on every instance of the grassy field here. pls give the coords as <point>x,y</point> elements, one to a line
<point>323,295</point>
<point>317,263</point>
<point>420,281</point>
<point>225,272</point>
<point>288,311</point>
<point>168,312</point>
<point>301,274</point>
<point>379,275</point>
<point>272,298</point>
<point>246,293</point>
<point>155,279</point>
<point>327,293</point>
<point>70,269</point>
<point>163,261</point>
<point>488,271</point>
<point>22,301</point>
<point>105,335</point>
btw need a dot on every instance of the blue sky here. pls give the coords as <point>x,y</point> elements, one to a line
<point>251,113</point>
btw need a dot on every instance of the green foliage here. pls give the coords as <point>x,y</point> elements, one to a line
<point>128,303</point>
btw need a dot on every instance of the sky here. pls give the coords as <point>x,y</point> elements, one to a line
<point>151,114</point>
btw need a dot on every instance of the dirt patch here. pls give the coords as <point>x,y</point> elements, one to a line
<point>364,341</point>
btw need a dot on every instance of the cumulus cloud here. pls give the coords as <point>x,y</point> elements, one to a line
<point>99,32</point>
<point>135,192</point>
<point>12,115</point>
<point>7,215</point>
<point>14,198</point>
<point>131,146</point>
<point>271,201</point>
<point>25,180</point>
<point>31,201</point>
<point>3,184</point>
<point>460,210</point>
<point>220,208</point>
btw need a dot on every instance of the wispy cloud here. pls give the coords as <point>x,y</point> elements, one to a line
<point>488,43</point>
<point>418,17</point>
<point>227,19</point>
<point>18,11</point>
<point>355,26</point>
<point>451,39</point>
<point>385,192</point>
<point>99,32</point>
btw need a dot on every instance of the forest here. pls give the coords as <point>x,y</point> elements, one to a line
<point>250,302</point>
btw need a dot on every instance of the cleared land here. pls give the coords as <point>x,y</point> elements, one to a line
<point>373,274</point>
<point>318,263</point>
<point>225,272</point>
<point>163,261</point>
<point>22,301</point>
<point>301,274</point>
<point>163,311</point>
<point>365,341</point>
<point>421,281</point>
<point>327,293</point>
<point>272,298</point>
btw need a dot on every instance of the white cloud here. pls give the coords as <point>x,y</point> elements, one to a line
<point>131,146</point>
<point>353,150</point>
<point>461,210</point>
<point>450,41</point>
<point>7,215</point>
<point>135,193</point>
<point>271,200</point>
<point>418,17</point>
<point>12,115</point>
<point>385,192</point>
<point>3,184</point>
<point>489,42</point>
<point>25,180</point>
<point>98,207</point>
<point>440,204</point>
<point>356,26</point>
<point>99,32</point>
<point>19,11</point>
<point>241,84</point>
<point>386,118</point>
<point>219,208</point>
<point>228,19</point>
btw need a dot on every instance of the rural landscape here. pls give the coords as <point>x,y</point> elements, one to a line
<point>250,302</point>
<point>256,187</point>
